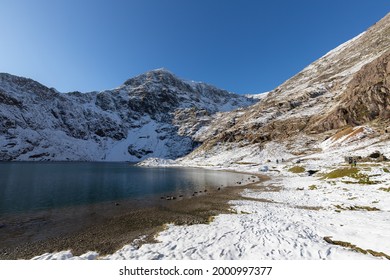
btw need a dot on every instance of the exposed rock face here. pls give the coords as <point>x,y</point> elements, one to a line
<point>146,116</point>
<point>366,98</point>
<point>158,115</point>
<point>347,86</point>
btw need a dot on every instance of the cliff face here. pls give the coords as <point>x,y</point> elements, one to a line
<point>366,98</point>
<point>347,86</point>
<point>146,116</point>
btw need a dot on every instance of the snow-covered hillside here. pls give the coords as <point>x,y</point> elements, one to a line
<point>348,86</point>
<point>147,116</point>
<point>322,138</point>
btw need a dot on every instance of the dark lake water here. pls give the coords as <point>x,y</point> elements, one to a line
<point>27,187</point>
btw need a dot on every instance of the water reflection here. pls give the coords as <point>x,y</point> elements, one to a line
<point>26,187</point>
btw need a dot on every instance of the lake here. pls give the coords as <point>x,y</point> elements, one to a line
<point>30,186</point>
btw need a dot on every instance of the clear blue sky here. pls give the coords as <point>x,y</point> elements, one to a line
<point>242,46</point>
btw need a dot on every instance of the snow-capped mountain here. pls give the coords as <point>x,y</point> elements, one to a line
<point>153,115</point>
<point>300,135</point>
<point>159,115</point>
<point>348,86</point>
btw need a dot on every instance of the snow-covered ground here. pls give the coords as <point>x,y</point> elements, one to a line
<point>288,216</point>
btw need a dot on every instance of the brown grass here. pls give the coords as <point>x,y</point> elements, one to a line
<point>339,173</point>
<point>297,169</point>
<point>344,244</point>
<point>356,131</point>
<point>349,132</point>
<point>357,208</point>
<point>342,133</point>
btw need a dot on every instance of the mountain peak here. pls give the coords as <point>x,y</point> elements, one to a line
<point>156,76</point>
<point>160,71</point>
<point>154,114</point>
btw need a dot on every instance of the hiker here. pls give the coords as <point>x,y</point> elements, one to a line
<point>354,162</point>
<point>277,161</point>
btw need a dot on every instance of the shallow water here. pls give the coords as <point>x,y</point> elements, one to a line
<point>27,187</point>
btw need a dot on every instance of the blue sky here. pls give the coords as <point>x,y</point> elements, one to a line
<point>244,46</point>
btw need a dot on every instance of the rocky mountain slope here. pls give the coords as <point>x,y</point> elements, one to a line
<point>158,115</point>
<point>366,98</point>
<point>155,114</point>
<point>348,86</point>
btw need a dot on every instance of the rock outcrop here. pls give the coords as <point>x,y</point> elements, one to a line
<point>348,86</point>
<point>366,98</point>
<point>155,114</point>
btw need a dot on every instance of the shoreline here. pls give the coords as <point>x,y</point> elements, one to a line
<point>110,227</point>
<point>293,215</point>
